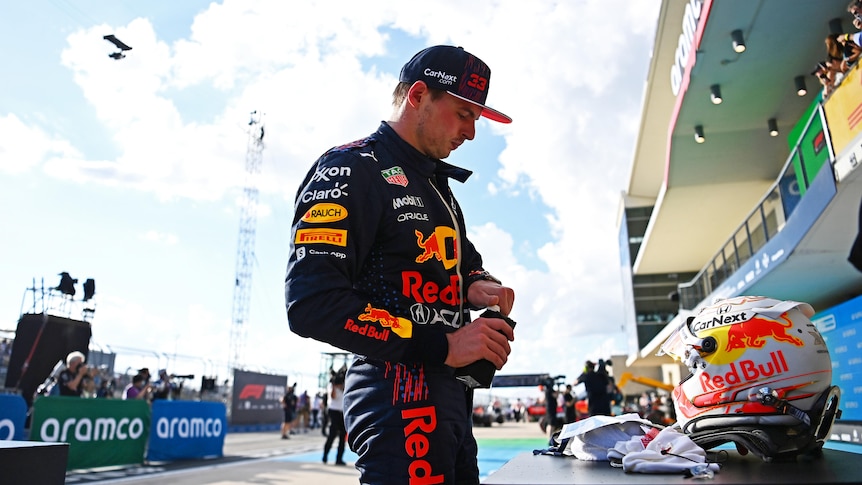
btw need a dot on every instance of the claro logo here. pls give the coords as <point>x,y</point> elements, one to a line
<point>188,428</point>
<point>86,429</point>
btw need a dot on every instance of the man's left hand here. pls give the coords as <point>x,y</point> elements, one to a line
<point>484,293</point>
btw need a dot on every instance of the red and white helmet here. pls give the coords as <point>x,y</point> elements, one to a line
<point>761,377</point>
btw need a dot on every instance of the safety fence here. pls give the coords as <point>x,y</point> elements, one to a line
<point>108,432</point>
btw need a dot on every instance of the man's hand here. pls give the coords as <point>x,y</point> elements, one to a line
<point>483,338</point>
<point>484,293</point>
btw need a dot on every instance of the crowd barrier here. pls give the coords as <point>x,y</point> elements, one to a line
<point>109,432</point>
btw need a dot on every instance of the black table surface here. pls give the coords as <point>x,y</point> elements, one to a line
<point>528,469</point>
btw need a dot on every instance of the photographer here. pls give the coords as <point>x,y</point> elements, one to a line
<point>163,387</point>
<point>70,378</point>
<point>138,389</point>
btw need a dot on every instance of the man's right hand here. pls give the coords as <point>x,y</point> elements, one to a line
<point>483,338</point>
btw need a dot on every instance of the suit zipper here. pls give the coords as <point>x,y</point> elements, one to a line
<point>461,295</point>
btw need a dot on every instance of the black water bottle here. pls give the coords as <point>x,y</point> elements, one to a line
<point>481,372</point>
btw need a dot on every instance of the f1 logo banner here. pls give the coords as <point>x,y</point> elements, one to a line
<point>187,430</point>
<point>100,432</point>
<point>256,398</point>
<point>13,414</point>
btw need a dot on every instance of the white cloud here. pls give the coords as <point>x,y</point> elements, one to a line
<point>24,145</point>
<point>160,238</point>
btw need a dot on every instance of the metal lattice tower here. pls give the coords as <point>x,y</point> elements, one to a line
<point>245,245</point>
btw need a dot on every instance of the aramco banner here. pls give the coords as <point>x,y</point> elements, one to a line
<point>256,398</point>
<point>13,414</point>
<point>100,432</point>
<point>187,430</point>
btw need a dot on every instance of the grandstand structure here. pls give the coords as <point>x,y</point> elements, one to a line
<point>744,176</point>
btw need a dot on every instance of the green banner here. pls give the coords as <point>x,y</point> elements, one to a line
<point>100,432</point>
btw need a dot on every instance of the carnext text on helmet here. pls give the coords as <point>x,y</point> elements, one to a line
<point>719,321</point>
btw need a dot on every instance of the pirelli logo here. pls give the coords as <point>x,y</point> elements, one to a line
<point>336,237</point>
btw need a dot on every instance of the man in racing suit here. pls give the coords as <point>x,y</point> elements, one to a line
<point>380,265</point>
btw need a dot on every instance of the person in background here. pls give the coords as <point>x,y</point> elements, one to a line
<point>336,420</point>
<point>569,405</point>
<point>104,391</point>
<point>380,265</point>
<point>163,388</point>
<point>315,410</point>
<point>842,50</point>
<point>303,412</point>
<point>138,388</point>
<point>850,48</point>
<point>552,422</point>
<point>615,395</point>
<point>288,404</point>
<point>324,413</point>
<point>596,384</point>
<point>88,383</point>
<point>855,9</point>
<point>70,378</point>
<point>518,410</point>
<point>145,372</point>
<point>824,76</point>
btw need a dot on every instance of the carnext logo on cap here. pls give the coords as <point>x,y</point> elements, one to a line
<point>442,76</point>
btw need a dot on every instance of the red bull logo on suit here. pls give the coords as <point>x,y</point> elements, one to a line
<point>435,246</point>
<point>400,326</point>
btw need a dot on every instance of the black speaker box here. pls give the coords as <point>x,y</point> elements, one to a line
<point>40,341</point>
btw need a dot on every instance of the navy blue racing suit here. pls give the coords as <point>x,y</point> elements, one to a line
<point>379,266</point>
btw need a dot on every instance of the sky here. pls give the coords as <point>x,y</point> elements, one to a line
<point>131,171</point>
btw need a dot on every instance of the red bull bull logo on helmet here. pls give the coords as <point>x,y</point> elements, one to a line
<point>735,333</point>
<point>753,333</point>
<point>436,244</point>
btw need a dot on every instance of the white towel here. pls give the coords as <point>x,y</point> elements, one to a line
<point>594,443</point>
<point>670,452</point>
